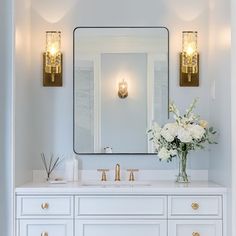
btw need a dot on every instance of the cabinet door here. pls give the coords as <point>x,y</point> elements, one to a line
<point>121,227</point>
<point>45,228</point>
<point>195,228</point>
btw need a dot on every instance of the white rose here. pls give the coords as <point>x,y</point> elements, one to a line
<point>164,154</point>
<point>196,131</point>
<point>184,135</point>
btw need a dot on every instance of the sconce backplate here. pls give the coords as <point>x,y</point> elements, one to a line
<point>184,77</point>
<point>47,77</point>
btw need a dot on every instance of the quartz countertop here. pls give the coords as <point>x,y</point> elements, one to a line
<point>150,187</point>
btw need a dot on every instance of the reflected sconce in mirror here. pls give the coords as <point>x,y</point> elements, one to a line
<point>123,89</point>
<point>189,60</point>
<point>52,60</point>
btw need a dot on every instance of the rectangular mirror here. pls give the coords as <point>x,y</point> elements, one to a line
<point>121,85</point>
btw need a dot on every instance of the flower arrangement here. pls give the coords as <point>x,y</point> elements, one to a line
<point>188,132</point>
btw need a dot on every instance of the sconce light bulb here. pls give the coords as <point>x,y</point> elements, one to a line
<point>190,51</point>
<point>53,51</point>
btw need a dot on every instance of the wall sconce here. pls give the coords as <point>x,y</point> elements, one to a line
<point>123,89</point>
<point>189,60</point>
<point>52,60</point>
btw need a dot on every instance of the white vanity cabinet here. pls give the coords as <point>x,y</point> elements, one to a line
<point>152,211</point>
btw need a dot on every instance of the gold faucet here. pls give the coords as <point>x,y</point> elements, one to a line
<point>117,172</point>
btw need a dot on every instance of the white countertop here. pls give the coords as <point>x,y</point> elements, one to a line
<point>151,187</point>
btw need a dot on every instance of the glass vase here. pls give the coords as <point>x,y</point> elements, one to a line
<point>182,177</point>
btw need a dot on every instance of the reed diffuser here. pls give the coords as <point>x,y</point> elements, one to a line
<point>50,165</point>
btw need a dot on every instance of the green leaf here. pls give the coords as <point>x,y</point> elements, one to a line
<point>211,129</point>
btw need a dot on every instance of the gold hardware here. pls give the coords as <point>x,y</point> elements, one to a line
<point>195,234</point>
<point>44,234</point>
<point>131,175</point>
<point>117,172</point>
<point>195,206</point>
<point>104,176</point>
<point>45,206</point>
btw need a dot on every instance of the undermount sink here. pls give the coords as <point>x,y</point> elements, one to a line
<point>116,184</point>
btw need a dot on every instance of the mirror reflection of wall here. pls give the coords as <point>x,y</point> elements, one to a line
<point>124,119</point>
<point>136,59</point>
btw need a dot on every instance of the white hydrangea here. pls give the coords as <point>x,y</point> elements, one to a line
<point>156,130</point>
<point>196,131</point>
<point>164,154</point>
<point>166,135</point>
<point>184,135</point>
<point>169,132</point>
<point>172,128</point>
<point>173,152</point>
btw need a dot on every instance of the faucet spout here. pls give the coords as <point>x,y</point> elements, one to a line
<point>117,172</point>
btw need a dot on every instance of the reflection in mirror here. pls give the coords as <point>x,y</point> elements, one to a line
<point>120,88</point>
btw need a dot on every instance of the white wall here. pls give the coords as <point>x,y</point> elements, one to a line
<point>220,106</point>
<point>23,93</point>
<point>51,108</point>
<point>121,115</point>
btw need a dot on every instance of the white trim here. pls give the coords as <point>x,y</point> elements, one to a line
<point>233,117</point>
<point>150,96</point>
<point>12,226</point>
<point>97,103</point>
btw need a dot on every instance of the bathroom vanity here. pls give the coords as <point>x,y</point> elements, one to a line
<point>161,208</point>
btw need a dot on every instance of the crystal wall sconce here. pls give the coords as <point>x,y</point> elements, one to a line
<point>189,60</point>
<point>52,60</point>
<point>123,89</point>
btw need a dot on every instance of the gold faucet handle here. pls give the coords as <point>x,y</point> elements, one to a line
<point>131,174</point>
<point>104,175</point>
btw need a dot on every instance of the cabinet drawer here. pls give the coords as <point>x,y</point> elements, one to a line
<point>121,227</point>
<point>195,228</point>
<point>195,207</point>
<point>44,206</point>
<point>121,205</point>
<point>45,228</point>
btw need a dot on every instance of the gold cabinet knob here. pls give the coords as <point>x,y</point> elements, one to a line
<point>195,206</point>
<point>195,234</point>
<point>104,176</point>
<point>45,206</point>
<point>44,234</point>
<point>131,174</point>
